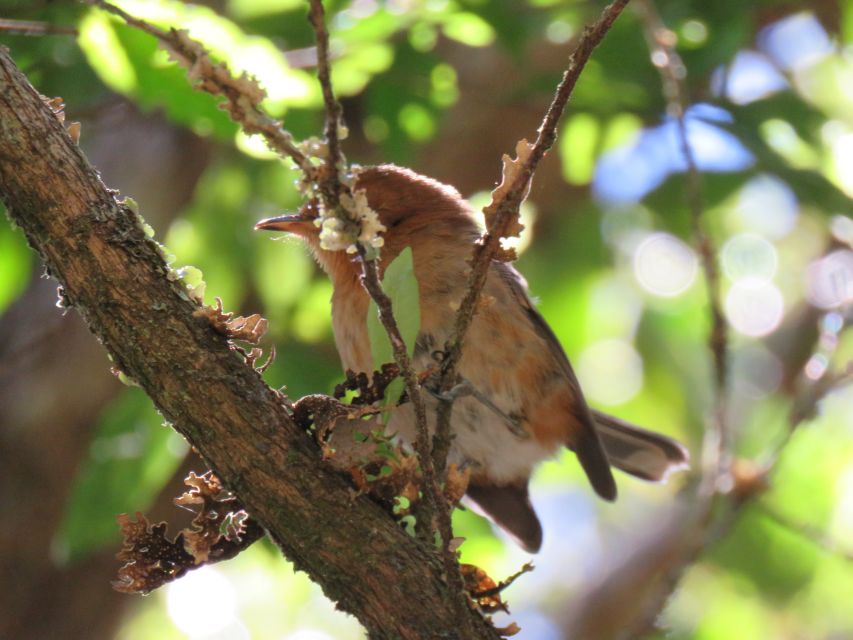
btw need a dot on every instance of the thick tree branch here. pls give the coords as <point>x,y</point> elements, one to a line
<point>116,278</point>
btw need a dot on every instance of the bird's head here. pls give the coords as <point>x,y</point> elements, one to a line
<point>415,210</point>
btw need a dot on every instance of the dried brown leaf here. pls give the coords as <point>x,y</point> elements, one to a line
<point>370,390</point>
<point>502,197</point>
<point>74,132</point>
<point>322,413</point>
<point>483,589</point>
<point>151,559</point>
<point>220,530</point>
<point>457,483</point>
<point>508,631</point>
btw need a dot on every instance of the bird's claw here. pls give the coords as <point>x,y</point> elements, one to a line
<point>460,390</point>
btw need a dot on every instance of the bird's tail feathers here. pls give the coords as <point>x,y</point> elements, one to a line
<point>509,506</point>
<point>641,453</point>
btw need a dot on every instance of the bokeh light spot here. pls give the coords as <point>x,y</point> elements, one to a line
<point>816,366</point>
<point>796,42</point>
<point>768,206</point>
<point>665,265</point>
<point>829,280</point>
<point>202,602</point>
<point>559,31</point>
<point>749,255</point>
<point>694,32</point>
<point>750,77</point>
<point>754,307</point>
<point>842,229</point>
<point>611,371</point>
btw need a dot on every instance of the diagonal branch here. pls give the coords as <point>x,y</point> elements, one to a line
<point>505,211</point>
<point>115,276</point>
<point>714,512</point>
<point>243,95</point>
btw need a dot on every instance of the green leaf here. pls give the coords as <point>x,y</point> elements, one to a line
<point>15,263</point>
<point>131,457</point>
<point>468,28</point>
<point>401,286</point>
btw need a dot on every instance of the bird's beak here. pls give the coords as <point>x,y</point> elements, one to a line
<point>289,223</point>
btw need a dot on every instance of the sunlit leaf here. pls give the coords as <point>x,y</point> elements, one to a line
<point>577,146</point>
<point>106,54</point>
<point>15,262</point>
<point>468,28</point>
<point>401,286</point>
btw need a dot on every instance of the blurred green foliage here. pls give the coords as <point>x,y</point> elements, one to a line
<point>130,459</point>
<point>404,70</point>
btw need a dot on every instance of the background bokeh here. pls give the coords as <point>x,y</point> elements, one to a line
<point>446,87</point>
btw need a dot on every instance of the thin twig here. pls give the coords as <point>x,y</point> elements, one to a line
<point>33,28</point>
<point>505,211</point>
<point>422,446</point>
<point>331,190</point>
<point>661,42</point>
<point>713,508</point>
<point>317,17</point>
<point>242,95</point>
<point>433,510</point>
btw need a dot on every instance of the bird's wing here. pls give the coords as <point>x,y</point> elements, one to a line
<point>510,508</point>
<point>584,441</point>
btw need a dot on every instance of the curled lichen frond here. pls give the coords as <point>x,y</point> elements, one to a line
<point>220,529</point>
<point>315,149</point>
<point>354,223</point>
<point>244,92</point>
<point>503,197</point>
<point>248,329</point>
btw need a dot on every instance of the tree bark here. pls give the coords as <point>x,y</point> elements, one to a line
<point>117,280</point>
<point>54,385</point>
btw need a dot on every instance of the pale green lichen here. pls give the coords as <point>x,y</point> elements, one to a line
<point>363,228</point>
<point>193,280</point>
<point>314,148</point>
<point>131,204</point>
<point>126,379</point>
<point>336,234</point>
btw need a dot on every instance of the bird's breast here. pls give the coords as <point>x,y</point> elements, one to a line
<point>519,411</point>
<point>349,324</point>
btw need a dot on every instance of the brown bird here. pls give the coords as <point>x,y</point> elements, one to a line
<point>527,403</point>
